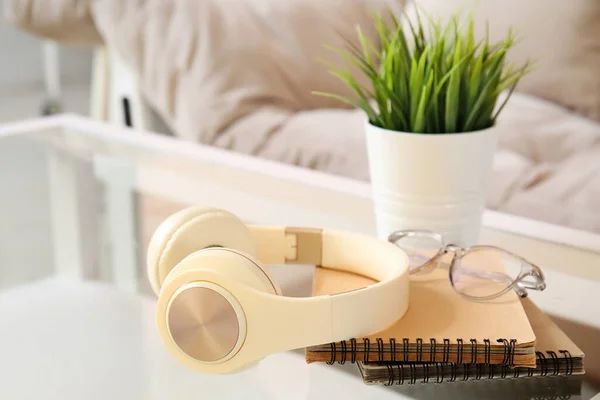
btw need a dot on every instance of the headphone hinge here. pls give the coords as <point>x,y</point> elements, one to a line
<point>308,243</point>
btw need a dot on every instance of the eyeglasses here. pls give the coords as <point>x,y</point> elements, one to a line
<point>479,272</point>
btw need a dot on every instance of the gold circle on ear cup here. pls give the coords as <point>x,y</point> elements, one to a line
<point>189,230</point>
<point>204,322</point>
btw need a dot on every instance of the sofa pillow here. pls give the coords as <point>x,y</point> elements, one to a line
<point>204,64</point>
<point>563,36</point>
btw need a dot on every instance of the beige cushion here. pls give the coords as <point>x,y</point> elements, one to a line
<point>206,63</point>
<point>327,140</point>
<point>563,35</point>
<point>548,165</point>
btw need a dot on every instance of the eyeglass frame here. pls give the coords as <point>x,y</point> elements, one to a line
<point>528,269</point>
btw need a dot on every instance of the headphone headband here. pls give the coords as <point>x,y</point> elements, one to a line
<point>327,248</point>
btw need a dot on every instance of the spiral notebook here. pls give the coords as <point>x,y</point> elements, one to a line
<point>556,355</point>
<point>439,326</point>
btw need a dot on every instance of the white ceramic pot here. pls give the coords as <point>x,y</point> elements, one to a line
<point>430,181</point>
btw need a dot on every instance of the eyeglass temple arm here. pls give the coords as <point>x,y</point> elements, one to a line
<point>497,277</point>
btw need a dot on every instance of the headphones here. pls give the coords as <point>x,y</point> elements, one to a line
<point>219,311</point>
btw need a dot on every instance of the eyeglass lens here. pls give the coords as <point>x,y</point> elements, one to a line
<point>419,247</point>
<point>482,271</point>
<point>485,271</point>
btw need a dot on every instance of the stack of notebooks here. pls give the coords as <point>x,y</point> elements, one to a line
<point>446,338</point>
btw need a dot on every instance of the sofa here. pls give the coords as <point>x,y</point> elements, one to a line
<point>239,75</point>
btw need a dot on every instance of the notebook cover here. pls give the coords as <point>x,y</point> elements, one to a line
<point>440,325</point>
<point>557,355</point>
<point>553,346</point>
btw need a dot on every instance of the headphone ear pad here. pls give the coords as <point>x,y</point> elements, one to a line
<point>236,264</point>
<point>190,230</point>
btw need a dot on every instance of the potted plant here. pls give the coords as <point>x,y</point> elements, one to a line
<point>431,108</point>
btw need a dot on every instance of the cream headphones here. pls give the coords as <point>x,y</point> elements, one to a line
<point>219,311</point>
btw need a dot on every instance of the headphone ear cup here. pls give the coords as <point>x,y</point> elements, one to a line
<point>190,299</point>
<point>190,230</point>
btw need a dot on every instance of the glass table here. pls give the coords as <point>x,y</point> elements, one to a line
<point>78,204</point>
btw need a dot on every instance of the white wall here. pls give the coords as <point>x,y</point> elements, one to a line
<point>21,60</point>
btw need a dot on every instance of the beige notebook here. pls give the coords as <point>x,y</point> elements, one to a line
<point>439,326</point>
<point>556,355</point>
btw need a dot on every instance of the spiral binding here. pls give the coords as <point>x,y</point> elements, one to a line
<point>390,381</point>
<point>333,354</point>
<point>459,351</point>
<point>413,374</point>
<point>487,352</point>
<point>506,358</point>
<point>511,351</point>
<point>435,371</point>
<point>343,360</point>
<point>554,362</point>
<point>453,369</point>
<point>380,350</point>
<point>478,371</point>
<point>542,359</point>
<point>433,350</point>
<point>550,362</point>
<point>405,343</point>
<point>473,351</point>
<point>568,361</point>
<point>367,349</point>
<point>466,372</point>
<point>504,371</point>
<point>492,371</point>
<point>400,374</point>
<point>439,370</point>
<point>446,351</point>
<point>419,351</point>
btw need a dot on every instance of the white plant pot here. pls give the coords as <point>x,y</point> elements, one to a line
<point>430,181</point>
